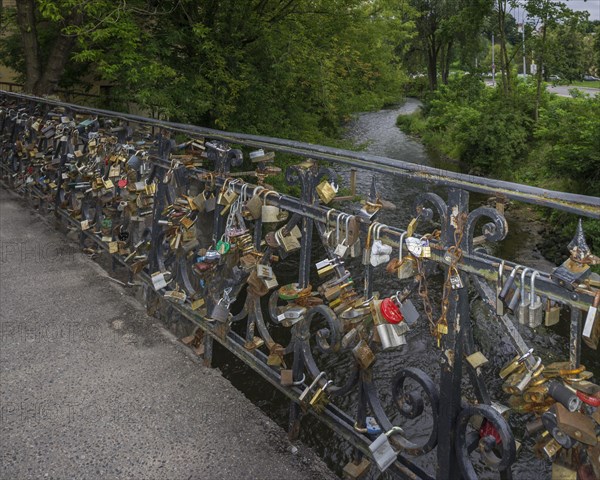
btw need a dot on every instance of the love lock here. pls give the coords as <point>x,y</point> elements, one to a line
<point>382,451</point>
<point>291,316</point>
<point>220,311</point>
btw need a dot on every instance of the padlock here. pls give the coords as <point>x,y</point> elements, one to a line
<point>576,425</point>
<point>551,313</point>
<point>499,284</point>
<point>256,285</point>
<point>291,315</point>
<point>506,287</point>
<point>343,246</point>
<point>408,264</point>
<point>591,327</point>
<point>159,280</point>
<point>254,204</point>
<point>308,389</point>
<point>211,203</point>
<point>535,305</point>
<point>264,271</point>
<point>390,311</point>
<point>517,382</point>
<point>523,311</point>
<point>200,201</point>
<point>288,242</point>
<point>455,280</point>
<point>407,309</point>
<point>362,353</point>
<point>392,336</point>
<point>382,451</point>
<point>326,191</point>
<point>220,311</point>
<point>271,282</point>
<point>269,213</point>
<point>320,399</point>
<point>380,253</point>
<point>550,422</point>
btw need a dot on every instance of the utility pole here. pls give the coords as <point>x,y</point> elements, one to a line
<point>524,64</point>
<point>493,63</point>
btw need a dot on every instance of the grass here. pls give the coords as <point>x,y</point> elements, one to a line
<point>594,84</point>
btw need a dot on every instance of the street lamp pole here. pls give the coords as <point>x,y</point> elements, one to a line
<point>493,63</point>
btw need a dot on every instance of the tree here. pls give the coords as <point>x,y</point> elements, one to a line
<point>280,67</point>
<point>548,14</point>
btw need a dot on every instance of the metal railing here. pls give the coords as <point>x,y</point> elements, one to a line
<point>199,236</point>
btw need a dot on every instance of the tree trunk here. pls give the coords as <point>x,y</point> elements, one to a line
<point>445,62</point>
<point>59,56</point>
<point>538,93</point>
<point>504,61</point>
<point>432,52</point>
<point>26,23</point>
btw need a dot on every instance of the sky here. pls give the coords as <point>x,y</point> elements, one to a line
<point>592,6</point>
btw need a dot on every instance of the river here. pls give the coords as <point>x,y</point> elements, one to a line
<point>378,132</point>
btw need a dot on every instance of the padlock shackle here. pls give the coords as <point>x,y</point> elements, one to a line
<point>401,246</point>
<point>523,275</point>
<point>267,193</point>
<point>394,430</point>
<point>532,287</point>
<point>347,237</point>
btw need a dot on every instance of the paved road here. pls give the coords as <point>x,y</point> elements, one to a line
<point>562,90</point>
<point>93,388</point>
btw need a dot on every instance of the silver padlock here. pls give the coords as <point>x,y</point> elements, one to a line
<point>523,312</point>
<point>536,314</point>
<point>342,248</point>
<point>407,309</point>
<point>382,451</point>
<point>307,390</point>
<point>392,335</point>
<point>526,380</point>
<point>220,311</point>
<point>499,284</point>
<point>292,315</point>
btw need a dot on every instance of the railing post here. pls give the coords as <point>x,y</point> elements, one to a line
<point>452,351</point>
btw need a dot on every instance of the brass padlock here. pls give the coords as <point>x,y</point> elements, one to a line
<point>326,192</point>
<point>254,205</point>
<point>551,313</point>
<point>270,213</point>
<point>576,425</point>
<point>320,399</point>
<point>363,354</point>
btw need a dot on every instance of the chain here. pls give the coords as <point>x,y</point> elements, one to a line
<point>424,294</point>
<point>455,256</point>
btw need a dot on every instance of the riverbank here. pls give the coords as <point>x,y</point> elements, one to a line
<point>92,387</point>
<point>492,136</point>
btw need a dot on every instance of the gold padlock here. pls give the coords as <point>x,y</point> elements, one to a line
<point>363,354</point>
<point>326,192</point>
<point>320,399</point>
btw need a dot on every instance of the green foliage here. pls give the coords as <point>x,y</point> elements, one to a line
<point>570,127</point>
<point>292,69</point>
<point>492,134</point>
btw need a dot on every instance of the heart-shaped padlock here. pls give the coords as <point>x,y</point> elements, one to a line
<point>390,311</point>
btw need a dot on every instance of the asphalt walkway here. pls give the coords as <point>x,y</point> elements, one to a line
<point>93,388</point>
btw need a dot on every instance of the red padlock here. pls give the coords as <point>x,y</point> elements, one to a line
<point>122,183</point>
<point>390,311</point>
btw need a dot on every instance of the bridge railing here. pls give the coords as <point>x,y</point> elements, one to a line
<point>168,201</point>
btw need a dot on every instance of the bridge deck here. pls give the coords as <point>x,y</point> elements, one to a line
<point>91,387</point>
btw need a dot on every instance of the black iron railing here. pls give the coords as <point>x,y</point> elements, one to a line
<point>208,243</point>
